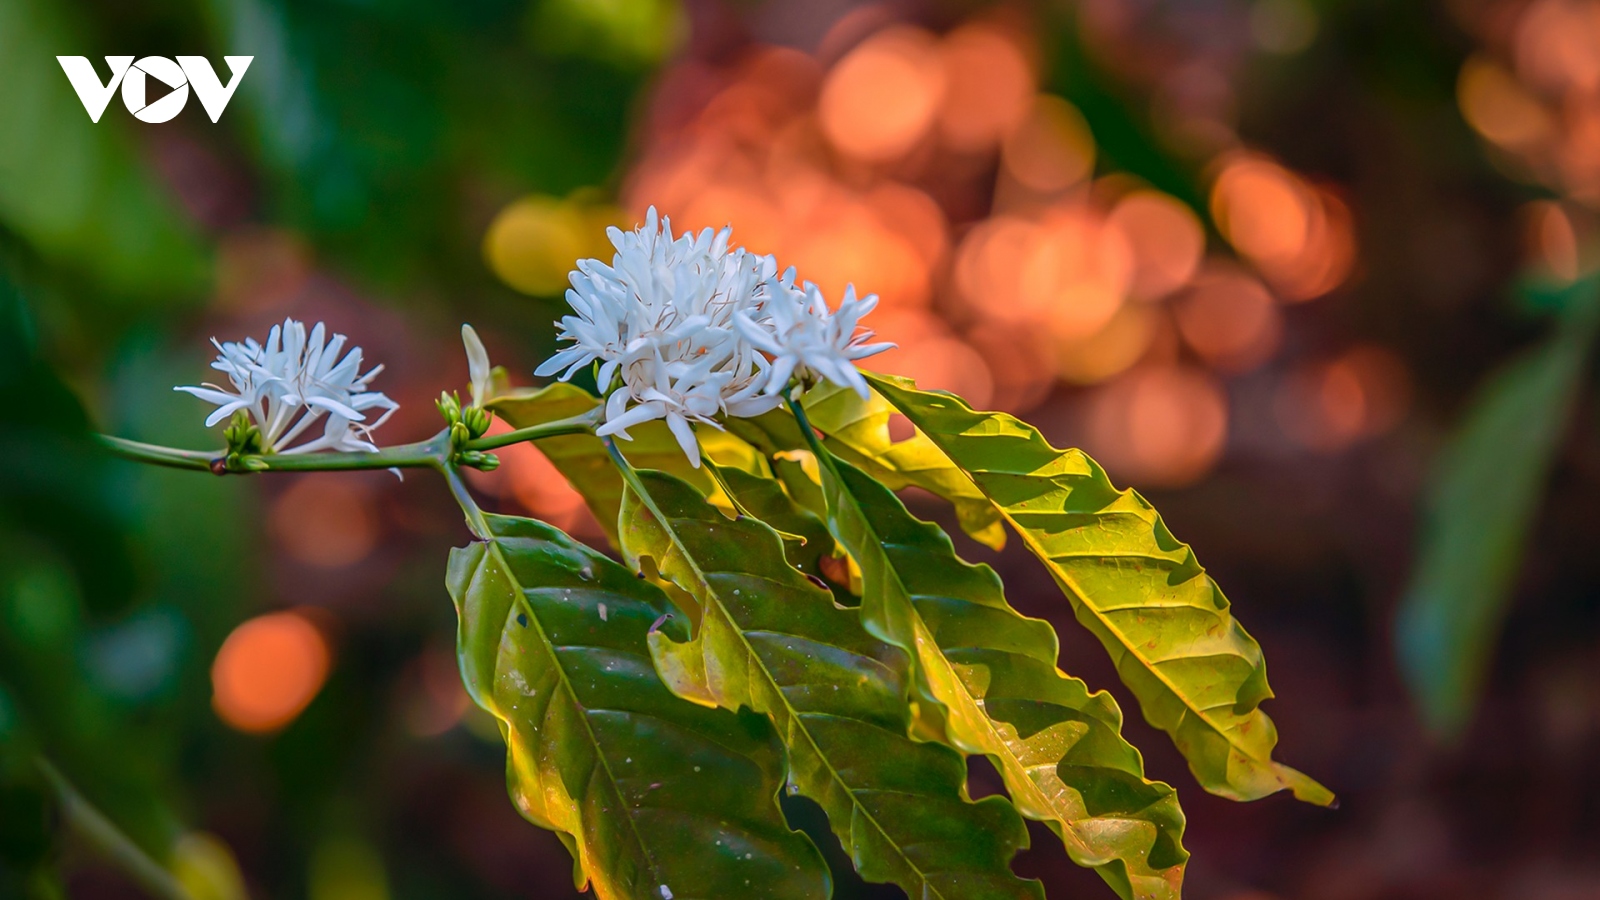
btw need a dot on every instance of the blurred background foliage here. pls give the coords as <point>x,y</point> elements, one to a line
<point>1314,273</point>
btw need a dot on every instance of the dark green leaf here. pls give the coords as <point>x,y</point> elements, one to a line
<point>1197,673</point>
<point>993,672</point>
<point>770,640</point>
<point>656,797</point>
<point>1486,489</point>
<point>806,540</point>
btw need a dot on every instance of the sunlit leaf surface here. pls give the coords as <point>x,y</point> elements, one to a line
<point>772,641</point>
<point>656,797</point>
<point>1198,675</point>
<point>1058,747</point>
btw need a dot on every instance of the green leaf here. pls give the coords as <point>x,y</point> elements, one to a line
<point>770,640</point>
<point>73,188</point>
<point>1485,491</point>
<point>656,797</point>
<point>1198,675</point>
<point>582,458</point>
<point>806,539</point>
<point>1058,747</point>
<point>857,431</point>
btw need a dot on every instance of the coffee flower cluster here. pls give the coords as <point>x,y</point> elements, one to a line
<point>293,381</point>
<point>686,329</point>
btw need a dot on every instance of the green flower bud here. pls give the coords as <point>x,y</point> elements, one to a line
<point>477,420</point>
<point>242,435</point>
<point>449,407</point>
<point>477,459</point>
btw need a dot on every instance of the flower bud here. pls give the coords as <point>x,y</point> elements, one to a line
<point>477,459</point>
<point>449,407</point>
<point>477,420</point>
<point>242,435</point>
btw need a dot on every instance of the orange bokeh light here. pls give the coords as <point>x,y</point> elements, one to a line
<point>931,356</point>
<point>1230,319</point>
<point>1167,241</point>
<point>326,521</point>
<point>852,247</point>
<point>434,700</point>
<point>1557,45</point>
<point>883,96</point>
<point>267,671</point>
<point>1501,109</point>
<point>1262,209</point>
<point>1553,239</point>
<point>988,266</point>
<point>1022,361</point>
<point>1111,350</point>
<point>990,86</point>
<point>869,163</point>
<point>1052,149</point>
<point>1330,253</point>
<point>1301,237</point>
<point>1160,425</point>
<point>1330,405</point>
<point>527,476</point>
<point>1077,274</point>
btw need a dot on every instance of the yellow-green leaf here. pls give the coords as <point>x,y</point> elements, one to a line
<point>1058,747</point>
<point>857,431</point>
<point>1198,675</point>
<point>770,640</point>
<point>656,797</point>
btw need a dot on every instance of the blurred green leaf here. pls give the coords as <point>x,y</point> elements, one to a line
<point>375,123</point>
<point>629,32</point>
<point>771,640</point>
<point>1198,675</point>
<point>54,483</point>
<point>72,188</point>
<point>993,672</point>
<point>1118,116</point>
<point>1485,490</point>
<point>656,797</point>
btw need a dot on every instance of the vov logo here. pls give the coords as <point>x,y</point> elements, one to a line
<point>134,77</point>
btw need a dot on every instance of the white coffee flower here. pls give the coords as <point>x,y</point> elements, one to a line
<point>291,382</point>
<point>802,335</point>
<point>687,329</point>
<point>659,318</point>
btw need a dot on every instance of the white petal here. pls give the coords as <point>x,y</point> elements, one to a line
<point>223,412</point>
<point>644,412</point>
<point>684,432</point>
<point>477,364</point>
<point>335,406</point>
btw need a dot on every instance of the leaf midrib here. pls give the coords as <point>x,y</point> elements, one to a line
<point>989,725</point>
<point>794,714</point>
<point>1066,581</point>
<point>566,683</point>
